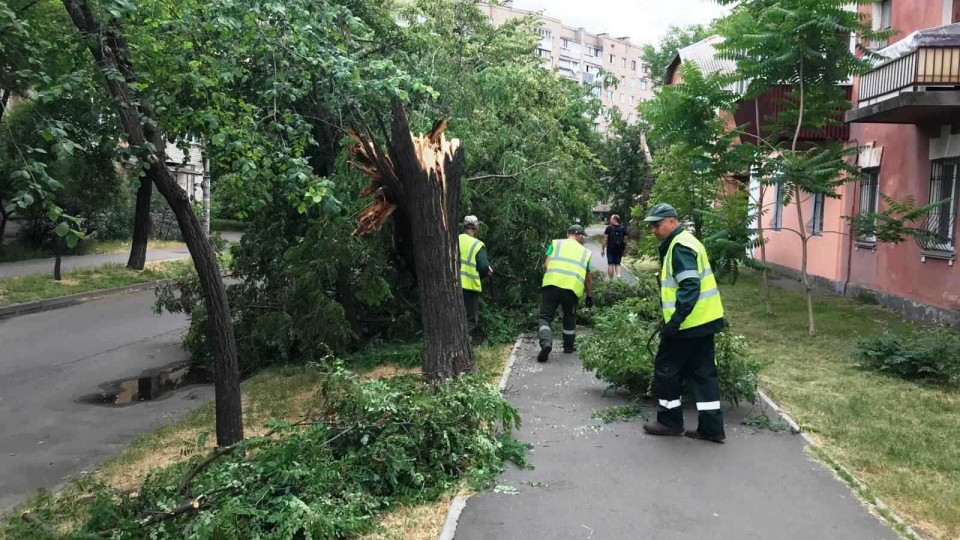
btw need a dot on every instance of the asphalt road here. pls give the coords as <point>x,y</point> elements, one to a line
<point>49,359</point>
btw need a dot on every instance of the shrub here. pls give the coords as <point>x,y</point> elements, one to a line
<point>374,445</point>
<point>607,293</point>
<point>932,356</point>
<point>622,348</point>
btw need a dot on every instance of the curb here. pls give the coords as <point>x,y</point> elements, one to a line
<point>460,501</point>
<point>16,310</point>
<point>886,514</point>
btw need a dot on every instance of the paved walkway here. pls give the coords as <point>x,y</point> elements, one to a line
<point>45,266</point>
<point>612,481</point>
<point>599,262</point>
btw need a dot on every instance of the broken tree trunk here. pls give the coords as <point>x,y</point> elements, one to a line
<point>420,176</point>
<point>110,52</point>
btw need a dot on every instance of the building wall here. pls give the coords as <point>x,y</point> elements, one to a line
<point>572,52</point>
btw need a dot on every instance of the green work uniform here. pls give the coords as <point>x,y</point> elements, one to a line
<point>688,292</point>
<point>563,285</point>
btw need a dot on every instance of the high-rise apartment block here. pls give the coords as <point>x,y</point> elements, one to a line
<point>579,55</point>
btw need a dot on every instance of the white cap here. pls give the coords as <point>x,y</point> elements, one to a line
<point>471,221</point>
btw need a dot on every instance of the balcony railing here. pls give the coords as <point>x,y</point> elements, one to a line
<point>927,66</point>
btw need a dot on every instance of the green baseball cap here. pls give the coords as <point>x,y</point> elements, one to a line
<point>660,211</point>
<point>575,229</point>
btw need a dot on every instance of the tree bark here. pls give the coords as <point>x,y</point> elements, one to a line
<point>56,262</point>
<point>141,225</point>
<point>763,241</point>
<point>422,177</point>
<point>109,51</point>
<point>4,99</point>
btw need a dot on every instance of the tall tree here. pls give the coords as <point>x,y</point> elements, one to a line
<point>628,180</point>
<point>806,44</point>
<point>109,49</point>
<point>656,58</point>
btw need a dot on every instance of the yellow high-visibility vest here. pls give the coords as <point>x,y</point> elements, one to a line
<point>469,275</point>
<point>568,265</point>
<point>708,307</point>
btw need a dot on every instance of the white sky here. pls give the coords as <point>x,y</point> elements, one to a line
<point>643,20</point>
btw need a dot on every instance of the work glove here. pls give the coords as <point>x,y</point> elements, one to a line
<point>671,329</point>
<point>589,302</point>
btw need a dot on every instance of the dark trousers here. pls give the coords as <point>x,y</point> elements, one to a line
<point>550,298</point>
<point>471,301</point>
<point>689,359</point>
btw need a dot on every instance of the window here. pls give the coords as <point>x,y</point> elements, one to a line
<point>544,32</point>
<point>886,9</point>
<point>544,53</point>
<point>869,200</point>
<point>633,100</point>
<point>633,65</point>
<point>623,62</point>
<point>816,216</point>
<point>633,83</point>
<point>623,98</point>
<point>777,208</point>
<point>643,84</point>
<point>611,59</point>
<point>587,68</point>
<point>610,95</point>
<point>630,118</point>
<point>595,52</point>
<point>596,126</point>
<point>940,222</point>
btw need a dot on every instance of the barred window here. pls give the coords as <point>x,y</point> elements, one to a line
<point>816,218</point>
<point>778,207</point>
<point>943,187</point>
<point>869,200</point>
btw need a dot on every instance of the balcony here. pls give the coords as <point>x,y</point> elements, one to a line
<point>919,83</point>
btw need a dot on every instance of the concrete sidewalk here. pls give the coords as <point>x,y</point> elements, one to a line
<point>612,481</point>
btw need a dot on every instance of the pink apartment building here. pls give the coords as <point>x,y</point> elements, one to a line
<point>905,117</point>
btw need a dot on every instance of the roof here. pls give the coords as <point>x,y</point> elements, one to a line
<point>939,36</point>
<point>704,54</point>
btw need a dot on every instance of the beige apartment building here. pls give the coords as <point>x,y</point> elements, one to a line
<point>579,55</point>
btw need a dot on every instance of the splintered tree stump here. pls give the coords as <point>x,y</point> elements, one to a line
<point>419,176</point>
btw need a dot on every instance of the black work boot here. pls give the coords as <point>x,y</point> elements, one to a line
<point>569,348</point>
<point>545,348</point>
<point>656,428</point>
<point>701,437</point>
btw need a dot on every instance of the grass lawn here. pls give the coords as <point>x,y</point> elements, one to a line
<point>901,438</point>
<point>287,393</point>
<point>17,252</point>
<point>42,286</point>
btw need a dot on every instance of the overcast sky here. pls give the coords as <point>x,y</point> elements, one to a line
<point>643,20</point>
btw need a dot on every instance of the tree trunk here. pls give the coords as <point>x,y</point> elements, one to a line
<point>205,186</point>
<point>56,263</point>
<point>110,52</point>
<point>141,225</point>
<point>4,99</point>
<point>4,217</point>
<point>811,326</point>
<point>422,176</point>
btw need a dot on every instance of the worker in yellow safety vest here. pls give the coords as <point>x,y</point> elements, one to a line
<point>474,266</point>
<point>692,315</point>
<point>566,279</point>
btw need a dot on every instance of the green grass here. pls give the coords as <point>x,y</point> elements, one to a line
<point>41,287</point>
<point>228,225</point>
<point>901,438</point>
<point>17,252</point>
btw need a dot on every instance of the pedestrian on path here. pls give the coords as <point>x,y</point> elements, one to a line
<point>474,266</point>
<point>566,280</point>
<point>692,315</point>
<point>614,244</point>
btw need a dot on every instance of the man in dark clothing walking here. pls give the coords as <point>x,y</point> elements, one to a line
<point>692,314</point>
